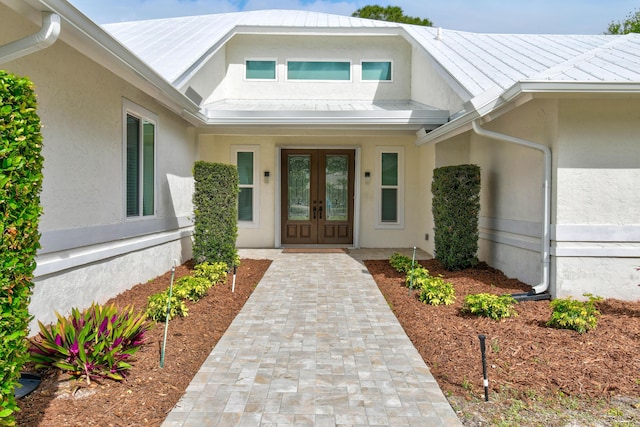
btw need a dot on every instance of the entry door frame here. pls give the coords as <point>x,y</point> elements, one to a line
<point>356,189</point>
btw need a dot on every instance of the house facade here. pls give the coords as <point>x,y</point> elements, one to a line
<point>336,125</point>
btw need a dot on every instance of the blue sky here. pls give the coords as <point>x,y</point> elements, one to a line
<point>493,16</point>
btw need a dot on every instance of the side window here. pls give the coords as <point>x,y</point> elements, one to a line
<point>259,69</point>
<point>140,147</point>
<point>376,71</point>
<point>390,192</point>
<point>246,159</point>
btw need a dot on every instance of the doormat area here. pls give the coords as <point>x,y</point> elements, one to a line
<point>315,251</point>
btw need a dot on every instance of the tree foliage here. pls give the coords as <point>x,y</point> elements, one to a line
<point>391,14</point>
<point>630,25</point>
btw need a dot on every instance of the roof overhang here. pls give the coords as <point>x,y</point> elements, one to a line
<point>520,93</point>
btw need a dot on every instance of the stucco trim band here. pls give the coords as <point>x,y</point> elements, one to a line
<point>596,233</point>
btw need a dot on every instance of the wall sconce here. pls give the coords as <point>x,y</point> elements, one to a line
<point>266,176</point>
<point>367,177</point>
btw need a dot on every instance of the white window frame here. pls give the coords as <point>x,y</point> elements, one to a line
<point>399,224</point>
<point>255,149</point>
<point>275,60</point>
<point>377,81</point>
<point>130,108</point>
<point>318,60</point>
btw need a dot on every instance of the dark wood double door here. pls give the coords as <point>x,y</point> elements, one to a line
<point>317,196</point>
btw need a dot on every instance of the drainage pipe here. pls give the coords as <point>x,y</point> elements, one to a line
<point>44,38</point>
<point>546,223</point>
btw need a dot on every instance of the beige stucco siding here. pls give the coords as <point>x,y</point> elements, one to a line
<point>597,231</point>
<point>219,149</point>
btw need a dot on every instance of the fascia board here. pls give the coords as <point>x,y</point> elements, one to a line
<point>85,36</point>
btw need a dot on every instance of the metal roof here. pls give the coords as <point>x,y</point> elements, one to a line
<point>480,67</point>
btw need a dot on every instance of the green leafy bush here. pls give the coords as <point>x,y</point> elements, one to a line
<point>455,207</point>
<point>495,307</point>
<point>400,263</point>
<point>157,306</point>
<point>215,201</point>
<point>417,277</point>
<point>580,316</point>
<point>213,272</point>
<point>436,291</point>
<point>191,288</point>
<point>94,344</point>
<point>20,184</point>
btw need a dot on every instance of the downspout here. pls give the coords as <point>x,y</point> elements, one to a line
<point>44,38</point>
<point>546,223</point>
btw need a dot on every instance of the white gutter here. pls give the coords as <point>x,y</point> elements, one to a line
<point>546,223</point>
<point>44,38</point>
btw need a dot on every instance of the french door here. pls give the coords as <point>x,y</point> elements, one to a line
<point>317,196</point>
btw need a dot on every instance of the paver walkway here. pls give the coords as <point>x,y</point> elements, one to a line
<point>315,344</point>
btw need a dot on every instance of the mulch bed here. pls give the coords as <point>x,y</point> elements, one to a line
<point>524,355</point>
<point>149,392</point>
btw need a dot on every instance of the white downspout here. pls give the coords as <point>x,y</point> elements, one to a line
<point>546,223</point>
<point>44,38</point>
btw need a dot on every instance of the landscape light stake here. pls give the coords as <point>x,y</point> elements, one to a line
<point>233,283</point>
<point>166,320</point>
<point>484,367</point>
<point>413,260</point>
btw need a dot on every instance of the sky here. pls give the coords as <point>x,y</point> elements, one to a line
<point>484,16</point>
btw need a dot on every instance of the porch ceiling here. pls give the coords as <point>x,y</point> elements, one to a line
<point>406,113</point>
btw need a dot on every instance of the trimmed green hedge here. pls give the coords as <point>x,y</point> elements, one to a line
<point>215,203</point>
<point>20,185</point>
<point>456,206</point>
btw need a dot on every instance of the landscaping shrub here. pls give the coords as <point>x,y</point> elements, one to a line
<point>191,288</point>
<point>495,307</point>
<point>94,344</point>
<point>436,291</point>
<point>213,272</point>
<point>215,202</point>
<point>455,207</point>
<point>157,306</point>
<point>580,316</point>
<point>417,277</point>
<point>20,184</point>
<point>400,263</point>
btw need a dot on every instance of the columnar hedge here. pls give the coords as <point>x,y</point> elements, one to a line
<point>20,185</point>
<point>216,213</point>
<point>456,206</point>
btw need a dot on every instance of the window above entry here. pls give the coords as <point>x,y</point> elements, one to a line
<point>376,71</point>
<point>260,69</point>
<point>319,70</point>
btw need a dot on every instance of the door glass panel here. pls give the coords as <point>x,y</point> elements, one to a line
<point>298,208</point>
<point>336,187</point>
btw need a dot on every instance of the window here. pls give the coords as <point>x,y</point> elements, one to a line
<point>318,70</point>
<point>246,159</point>
<point>140,142</point>
<point>390,198</point>
<point>260,69</point>
<point>376,70</point>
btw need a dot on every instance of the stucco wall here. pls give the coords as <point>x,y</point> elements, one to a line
<point>314,48</point>
<point>597,229</point>
<point>430,87</point>
<point>218,149</point>
<point>89,248</point>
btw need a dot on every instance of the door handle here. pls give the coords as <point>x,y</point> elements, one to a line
<point>320,208</point>
<point>314,212</point>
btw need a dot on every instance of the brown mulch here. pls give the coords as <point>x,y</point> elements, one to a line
<point>523,354</point>
<point>149,392</point>
<point>526,359</point>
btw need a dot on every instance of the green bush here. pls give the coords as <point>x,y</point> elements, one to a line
<point>455,207</point>
<point>436,291</point>
<point>191,288</point>
<point>580,316</point>
<point>400,263</point>
<point>157,307</point>
<point>417,277</point>
<point>495,307</point>
<point>215,201</point>
<point>20,184</point>
<point>95,344</point>
<point>215,273</point>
